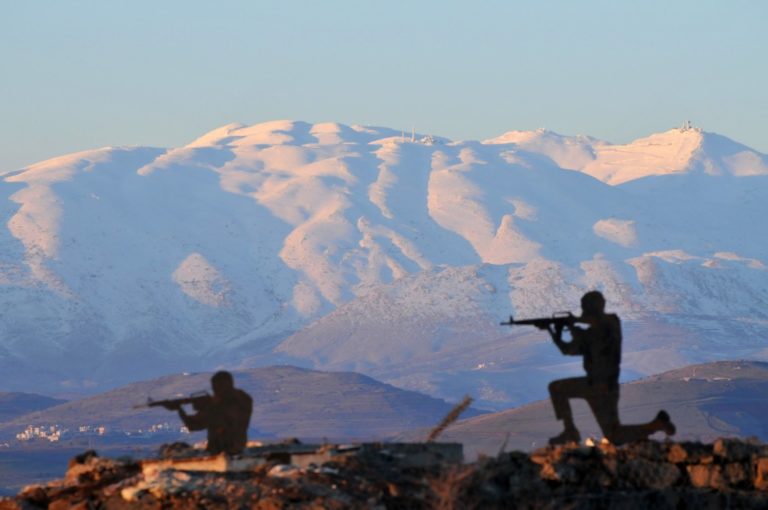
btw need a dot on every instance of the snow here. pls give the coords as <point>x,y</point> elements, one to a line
<point>350,247</point>
<point>621,232</point>
<point>573,153</point>
<point>676,151</point>
<point>199,280</point>
<point>665,153</point>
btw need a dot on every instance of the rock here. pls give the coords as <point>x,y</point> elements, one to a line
<point>676,454</point>
<point>650,450</point>
<point>35,494</point>
<point>698,453</point>
<point>761,474</point>
<point>729,473</point>
<point>738,475</point>
<point>13,504</point>
<point>706,476</point>
<point>285,471</point>
<point>175,450</point>
<point>733,450</point>
<point>83,458</point>
<point>644,474</point>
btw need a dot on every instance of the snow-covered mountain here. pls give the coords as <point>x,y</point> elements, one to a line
<point>350,247</point>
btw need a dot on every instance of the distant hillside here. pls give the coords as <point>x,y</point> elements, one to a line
<point>355,248</point>
<point>705,401</point>
<point>13,404</point>
<point>288,402</point>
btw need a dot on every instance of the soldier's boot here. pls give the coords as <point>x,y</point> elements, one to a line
<point>663,423</point>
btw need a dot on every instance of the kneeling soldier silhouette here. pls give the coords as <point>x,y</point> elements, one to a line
<point>600,345</point>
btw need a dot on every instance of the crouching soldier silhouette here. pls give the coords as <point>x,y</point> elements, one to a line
<point>226,414</point>
<point>600,346</point>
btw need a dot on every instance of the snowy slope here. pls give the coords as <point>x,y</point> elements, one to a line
<point>676,151</point>
<point>350,247</point>
<point>571,152</point>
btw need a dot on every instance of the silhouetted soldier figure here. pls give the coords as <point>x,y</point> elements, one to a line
<point>600,345</point>
<point>226,416</point>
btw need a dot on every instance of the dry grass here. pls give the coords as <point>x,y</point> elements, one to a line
<point>447,489</point>
<point>450,418</point>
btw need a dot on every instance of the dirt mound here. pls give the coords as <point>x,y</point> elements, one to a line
<point>728,473</point>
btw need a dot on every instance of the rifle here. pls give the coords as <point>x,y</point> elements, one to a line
<point>199,400</point>
<point>558,319</point>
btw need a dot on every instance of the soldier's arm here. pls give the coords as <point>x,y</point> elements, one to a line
<point>578,333</point>
<point>572,348</point>
<point>193,421</point>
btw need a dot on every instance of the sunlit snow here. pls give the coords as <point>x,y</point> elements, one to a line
<point>356,247</point>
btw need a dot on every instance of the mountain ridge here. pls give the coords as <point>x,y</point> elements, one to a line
<point>234,249</point>
<point>14,404</point>
<point>288,402</point>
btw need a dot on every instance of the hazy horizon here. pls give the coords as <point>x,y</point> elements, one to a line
<point>88,74</point>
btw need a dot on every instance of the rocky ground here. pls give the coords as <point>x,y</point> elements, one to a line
<point>727,474</point>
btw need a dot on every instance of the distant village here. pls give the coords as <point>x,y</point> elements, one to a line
<point>56,433</point>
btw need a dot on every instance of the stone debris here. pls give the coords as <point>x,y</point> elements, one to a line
<point>730,473</point>
<point>285,471</point>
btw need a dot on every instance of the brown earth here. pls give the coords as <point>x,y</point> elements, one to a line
<point>727,474</point>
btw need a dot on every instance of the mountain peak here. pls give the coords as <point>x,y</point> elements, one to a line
<point>217,136</point>
<point>677,151</point>
<point>290,132</point>
<point>569,152</point>
<point>662,153</point>
<point>519,136</point>
<point>221,250</point>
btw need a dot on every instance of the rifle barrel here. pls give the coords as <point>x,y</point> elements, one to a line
<point>543,322</point>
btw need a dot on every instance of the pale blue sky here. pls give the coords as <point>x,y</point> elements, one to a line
<point>80,74</point>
